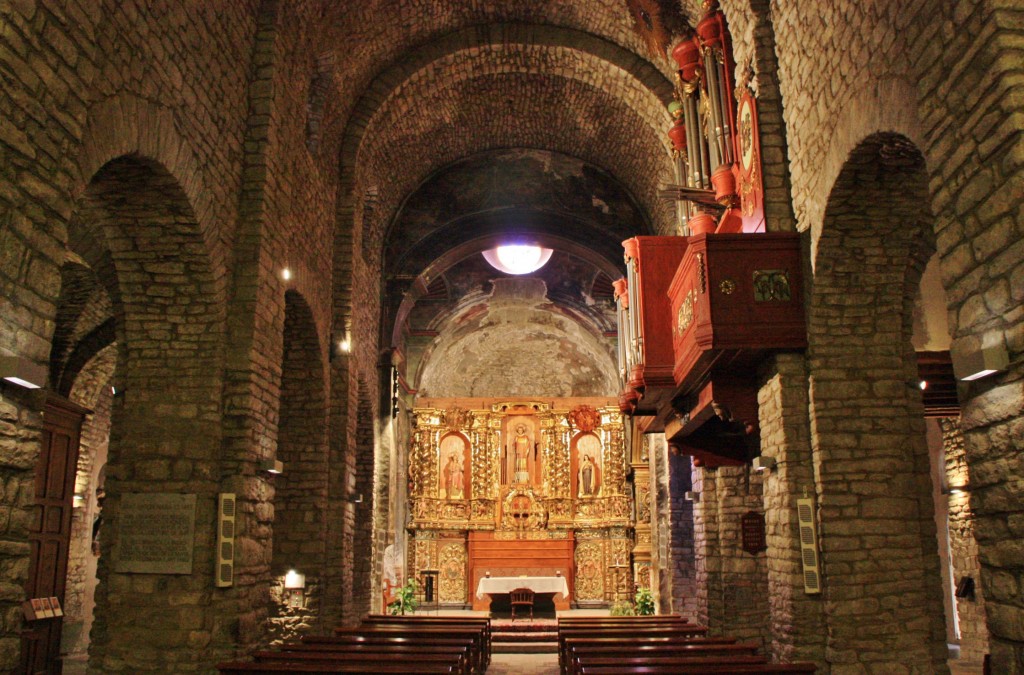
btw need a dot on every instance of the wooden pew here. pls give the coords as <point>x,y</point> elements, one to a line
<point>416,635</point>
<point>580,650</point>
<point>482,622</point>
<point>723,668</point>
<point>624,634</point>
<point>310,668</point>
<point>358,653</point>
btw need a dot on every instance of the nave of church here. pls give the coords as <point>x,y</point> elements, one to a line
<point>310,306</point>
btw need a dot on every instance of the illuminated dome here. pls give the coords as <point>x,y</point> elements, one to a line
<point>518,258</point>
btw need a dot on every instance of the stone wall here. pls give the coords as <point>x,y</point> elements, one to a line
<point>681,560</point>
<point>963,548</point>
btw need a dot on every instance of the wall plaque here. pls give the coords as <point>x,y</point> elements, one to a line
<point>752,527</point>
<point>156,533</point>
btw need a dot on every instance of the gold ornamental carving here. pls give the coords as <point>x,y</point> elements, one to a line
<point>457,418</point>
<point>590,571</point>
<point>584,418</point>
<point>452,567</point>
<point>522,511</point>
<point>685,315</point>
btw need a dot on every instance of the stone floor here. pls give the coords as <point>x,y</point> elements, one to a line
<point>523,664</point>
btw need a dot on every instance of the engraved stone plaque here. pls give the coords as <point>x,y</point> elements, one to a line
<point>156,533</point>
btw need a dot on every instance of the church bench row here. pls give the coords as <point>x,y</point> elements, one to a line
<point>646,645</point>
<point>482,622</point>
<point>423,634</point>
<point>408,644</point>
<point>677,629</point>
<point>719,668</point>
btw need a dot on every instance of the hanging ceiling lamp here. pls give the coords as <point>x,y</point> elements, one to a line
<point>517,258</point>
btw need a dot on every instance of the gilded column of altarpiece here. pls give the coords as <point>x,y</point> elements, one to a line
<point>522,470</point>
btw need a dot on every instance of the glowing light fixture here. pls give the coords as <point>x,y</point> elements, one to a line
<point>970,365</point>
<point>22,372</point>
<point>293,580</point>
<point>518,258</point>
<point>286,274</point>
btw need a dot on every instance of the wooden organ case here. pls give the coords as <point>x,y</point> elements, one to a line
<point>736,293</point>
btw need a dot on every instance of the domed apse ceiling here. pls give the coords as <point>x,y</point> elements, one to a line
<point>467,329</point>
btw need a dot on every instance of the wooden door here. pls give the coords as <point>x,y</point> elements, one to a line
<point>50,534</point>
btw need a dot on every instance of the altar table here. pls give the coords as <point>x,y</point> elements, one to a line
<point>496,585</point>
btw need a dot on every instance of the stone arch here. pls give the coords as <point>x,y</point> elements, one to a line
<point>89,386</point>
<point>639,95</point>
<point>137,228</point>
<point>869,454</point>
<point>300,493</point>
<point>125,125</point>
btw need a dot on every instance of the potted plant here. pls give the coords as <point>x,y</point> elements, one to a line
<point>405,599</point>
<point>644,602</point>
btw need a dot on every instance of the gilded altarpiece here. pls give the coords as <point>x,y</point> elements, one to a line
<point>540,486</point>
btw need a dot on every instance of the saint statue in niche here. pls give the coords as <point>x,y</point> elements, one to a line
<point>451,474</point>
<point>586,477</point>
<point>521,452</point>
<point>453,478</point>
<point>588,471</point>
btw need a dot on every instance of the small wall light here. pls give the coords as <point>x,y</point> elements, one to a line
<point>79,500</point>
<point>763,463</point>
<point>293,580</point>
<point>956,489</point>
<point>923,384</point>
<point>344,346</point>
<point>22,372</point>
<point>272,466</point>
<point>976,364</point>
<point>295,589</point>
<point>691,496</point>
<point>286,274</point>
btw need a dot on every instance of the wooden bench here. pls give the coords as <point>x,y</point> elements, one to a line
<point>579,651</point>
<point>471,622</point>
<point>366,668</point>
<point>723,668</point>
<point>415,635</point>
<point>619,634</point>
<point>397,653</point>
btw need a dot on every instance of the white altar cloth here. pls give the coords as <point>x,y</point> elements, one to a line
<point>495,585</point>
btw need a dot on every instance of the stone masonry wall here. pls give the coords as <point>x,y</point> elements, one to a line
<point>963,548</point>
<point>681,553</point>
<point>795,616</point>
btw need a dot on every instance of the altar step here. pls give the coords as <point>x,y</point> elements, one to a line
<point>524,638</point>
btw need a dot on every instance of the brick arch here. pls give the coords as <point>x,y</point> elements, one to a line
<point>870,458</point>
<point>588,131</point>
<point>125,125</point>
<point>616,80</point>
<point>300,493</point>
<point>136,227</point>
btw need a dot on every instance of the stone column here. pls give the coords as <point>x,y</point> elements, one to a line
<point>795,617</point>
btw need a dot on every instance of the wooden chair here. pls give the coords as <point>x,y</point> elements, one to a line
<point>521,597</point>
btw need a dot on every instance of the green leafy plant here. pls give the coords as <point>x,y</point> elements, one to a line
<point>621,608</point>
<point>405,599</point>
<point>644,602</point>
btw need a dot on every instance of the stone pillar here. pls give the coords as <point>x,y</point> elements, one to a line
<point>795,618</point>
<point>710,602</point>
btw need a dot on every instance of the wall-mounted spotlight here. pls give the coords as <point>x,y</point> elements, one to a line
<point>345,346</point>
<point>272,466</point>
<point>286,274</point>
<point>22,372</point>
<point>974,364</point>
<point>763,463</point>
